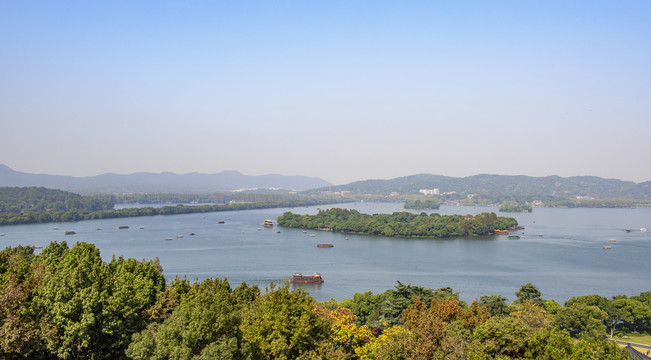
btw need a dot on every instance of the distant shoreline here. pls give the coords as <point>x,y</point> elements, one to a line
<point>83,215</point>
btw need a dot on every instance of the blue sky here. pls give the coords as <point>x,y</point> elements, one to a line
<point>342,90</point>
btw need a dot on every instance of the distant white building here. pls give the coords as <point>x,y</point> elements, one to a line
<point>429,191</point>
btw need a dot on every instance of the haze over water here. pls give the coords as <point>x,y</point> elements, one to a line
<point>567,260</point>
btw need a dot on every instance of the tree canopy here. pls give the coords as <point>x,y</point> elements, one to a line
<point>399,223</point>
<point>67,303</point>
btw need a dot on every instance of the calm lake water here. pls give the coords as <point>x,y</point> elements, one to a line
<point>567,260</point>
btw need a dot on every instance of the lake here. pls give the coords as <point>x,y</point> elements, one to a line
<point>561,251</point>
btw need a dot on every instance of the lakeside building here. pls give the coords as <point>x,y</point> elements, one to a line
<point>429,191</point>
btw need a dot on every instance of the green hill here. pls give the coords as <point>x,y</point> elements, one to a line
<point>40,199</point>
<point>504,186</point>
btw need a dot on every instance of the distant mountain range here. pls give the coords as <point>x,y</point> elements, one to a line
<point>482,185</point>
<point>504,185</point>
<point>165,182</point>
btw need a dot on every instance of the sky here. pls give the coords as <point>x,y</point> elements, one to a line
<point>341,90</point>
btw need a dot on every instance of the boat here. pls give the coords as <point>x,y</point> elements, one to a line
<point>312,235</point>
<point>642,229</point>
<point>220,222</point>
<point>514,237</point>
<point>306,279</point>
<point>501,232</point>
<point>123,227</point>
<point>324,245</point>
<point>168,239</point>
<point>268,223</point>
<point>192,234</point>
<point>612,240</point>
<point>179,236</point>
<point>70,232</point>
<point>98,229</point>
<point>607,248</point>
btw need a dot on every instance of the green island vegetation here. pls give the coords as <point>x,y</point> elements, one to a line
<point>40,205</point>
<point>403,224</point>
<point>68,303</point>
<point>547,201</point>
<point>427,204</point>
<point>214,198</point>
<point>80,215</point>
<point>595,203</point>
<point>512,206</point>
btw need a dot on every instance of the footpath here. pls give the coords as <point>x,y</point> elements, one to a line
<point>635,352</point>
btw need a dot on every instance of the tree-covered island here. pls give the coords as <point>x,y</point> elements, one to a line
<point>399,223</point>
<point>512,206</point>
<point>422,204</point>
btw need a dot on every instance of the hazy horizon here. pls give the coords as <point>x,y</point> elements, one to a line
<point>334,184</point>
<point>343,91</point>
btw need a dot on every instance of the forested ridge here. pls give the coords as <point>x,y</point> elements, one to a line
<point>504,187</point>
<point>39,199</point>
<point>67,303</point>
<point>399,223</point>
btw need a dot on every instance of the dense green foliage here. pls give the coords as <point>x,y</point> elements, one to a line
<point>67,303</point>
<point>39,199</point>
<point>427,204</point>
<point>512,206</point>
<point>78,215</point>
<point>399,223</point>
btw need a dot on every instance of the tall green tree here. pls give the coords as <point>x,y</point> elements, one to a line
<point>496,304</point>
<point>582,318</point>
<point>88,308</point>
<point>282,324</point>
<point>528,292</point>
<point>203,326</point>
